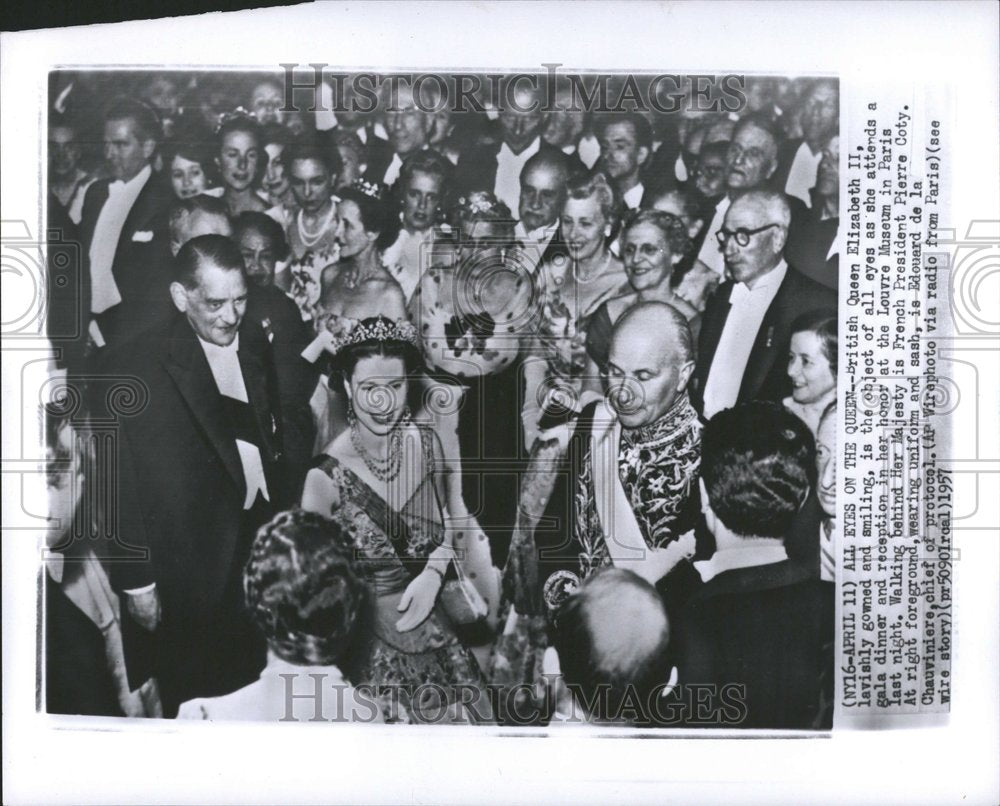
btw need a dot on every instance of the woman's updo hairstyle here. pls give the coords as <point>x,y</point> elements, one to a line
<point>377,214</point>
<point>302,588</point>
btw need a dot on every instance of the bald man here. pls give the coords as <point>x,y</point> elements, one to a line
<point>751,162</point>
<point>628,494</point>
<point>497,166</point>
<point>612,649</point>
<point>745,330</point>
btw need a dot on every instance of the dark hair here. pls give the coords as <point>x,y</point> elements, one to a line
<point>690,202</point>
<point>377,215</point>
<point>758,461</point>
<point>272,132</point>
<point>302,589</point>
<point>263,224</point>
<point>674,230</point>
<point>613,640</point>
<point>717,148</point>
<point>181,209</point>
<point>822,322</point>
<point>342,138</point>
<point>426,161</point>
<point>218,249</point>
<point>191,141</point>
<point>147,124</point>
<point>241,122</point>
<point>641,129</point>
<point>343,363</point>
<point>307,148</point>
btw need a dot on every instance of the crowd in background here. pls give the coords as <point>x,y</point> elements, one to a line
<point>501,416</point>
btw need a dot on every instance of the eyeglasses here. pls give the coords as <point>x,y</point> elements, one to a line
<point>742,234</point>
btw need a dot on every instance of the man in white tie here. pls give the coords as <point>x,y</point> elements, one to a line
<point>745,330</point>
<point>497,166</point>
<point>543,192</point>
<point>752,160</point>
<point>408,125</point>
<point>124,229</point>
<point>799,159</point>
<point>423,189</point>
<point>626,144</point>
<point>198,472</point>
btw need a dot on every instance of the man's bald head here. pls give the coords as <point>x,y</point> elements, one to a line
<point>649,363</point>
<point>613,637</point>
<point>659,328</point>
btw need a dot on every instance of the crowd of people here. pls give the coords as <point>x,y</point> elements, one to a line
<point>510,416</point>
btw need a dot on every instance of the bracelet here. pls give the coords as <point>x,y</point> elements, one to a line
<point>436,570</point>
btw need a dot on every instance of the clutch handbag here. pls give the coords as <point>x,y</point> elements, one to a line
<point>461,601</point>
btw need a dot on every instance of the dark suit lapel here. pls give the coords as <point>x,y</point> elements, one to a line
<point>712,324</point>
<point>255,378</point>
<point>765,348</point>
<point>187,365</point>
<point>146,206</point>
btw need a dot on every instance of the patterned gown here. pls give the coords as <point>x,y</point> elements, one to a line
<point>410,672</point>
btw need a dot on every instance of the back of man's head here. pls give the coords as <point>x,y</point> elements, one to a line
<point>757,464</point>
<point>613,640</point>
<point>197,215</point>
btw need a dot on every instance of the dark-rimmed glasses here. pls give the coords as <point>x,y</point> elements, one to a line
<point>741,234</point>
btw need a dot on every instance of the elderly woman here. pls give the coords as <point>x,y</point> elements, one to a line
<point>569,290</point>
<point>653,244</point>
<point>692,280</point>
<point>812,366</point>
<point>473,317</point>
<point>241,161</point>
<point>305,594</point>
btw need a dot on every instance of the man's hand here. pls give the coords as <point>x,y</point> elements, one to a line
<point>418,600</point>
<point>144,608</point>
<point>660,562</point>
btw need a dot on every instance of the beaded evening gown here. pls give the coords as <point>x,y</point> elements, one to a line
<point>420,675</point>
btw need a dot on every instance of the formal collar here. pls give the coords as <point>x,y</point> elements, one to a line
<point>677,420</point>
<point>213,350</point>
<point>530,151</point>
<point>634,196</point>
<point>749,556</point>
<point>539,234</point>
<point>766,285</point>
<point>136,182</point>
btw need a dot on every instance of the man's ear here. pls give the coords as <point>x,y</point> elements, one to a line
<point>675,259</point>
<point>780,238</point>
<point>643,155</point>
<point>148,147</point>
<point>362,168</point>
<point>178,293</point>
<point>773,167</point>
<point>684,376</point>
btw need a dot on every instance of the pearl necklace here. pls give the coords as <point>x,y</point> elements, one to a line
<point>310,239</point>
<point>383,469</point>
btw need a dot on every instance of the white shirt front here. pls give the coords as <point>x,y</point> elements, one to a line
<point>104,291</point>
<point>408,258</point>
<point>802,175</point>
<point>225,365</point>
<point>534,242</point>
<point>588,150</point>
<point>710,254</point>
<point>392,172</point>
<point>744,557</point>
<point>508,182</point>
<point>748,307</point>
<point>633,197</point>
